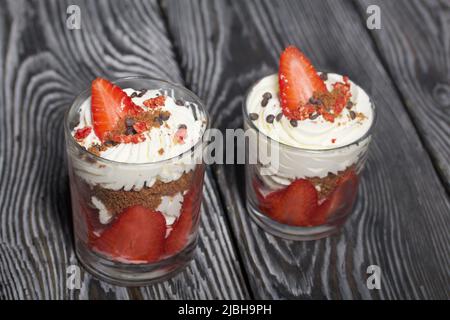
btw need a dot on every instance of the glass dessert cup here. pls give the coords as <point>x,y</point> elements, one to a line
<point>330,198</point>
<point>171,187</point>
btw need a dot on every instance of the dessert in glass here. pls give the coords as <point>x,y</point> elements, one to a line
<point>319,126</point>
<point>136,177</point>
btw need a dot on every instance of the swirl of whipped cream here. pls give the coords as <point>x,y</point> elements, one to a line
<point>318,141</point>
<point>144,155</point>
<point>314,134</point>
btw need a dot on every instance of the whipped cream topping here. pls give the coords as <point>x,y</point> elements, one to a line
<point>162,138</point>
<point>317,140</point>
<point>314,134</point>
<point>159,144</point>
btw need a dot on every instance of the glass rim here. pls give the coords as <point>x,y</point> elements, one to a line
<point>247,119</point>
<point>86,92</point>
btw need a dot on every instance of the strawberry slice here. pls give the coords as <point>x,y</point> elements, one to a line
<point>179,235</point>
<point>82,133</point>
<point>340,201</point>
<point>109,104</point>
<point>293,205</point>
<point>298,80</point>
<point>190,208</point>
<point>137,236</point>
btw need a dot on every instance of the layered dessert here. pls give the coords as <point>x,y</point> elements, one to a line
<point>136,180</point>
<point>321,123</point>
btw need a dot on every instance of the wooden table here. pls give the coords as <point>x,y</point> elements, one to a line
<point>218,48</point>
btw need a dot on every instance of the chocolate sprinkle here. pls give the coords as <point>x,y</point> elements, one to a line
<point>315,101</point>
<point>324,76</point>
<point>293,122</point>
<point>129,122</point>
<point>267,95</point>
<point>253,116</point>
<point>313,115</point>
<point>158,120</point>
<point>182,126</point>
<point>133,95</point>
<point>130,131</point>
<point>164,116</point>
<point>141,93</point>
<point>110,143</point>
<point>352,114</point>
<point>264,102</point>
<point>349,105</point>
<point>179,102</point>
<point>270,118</point>
<point>279,116</point>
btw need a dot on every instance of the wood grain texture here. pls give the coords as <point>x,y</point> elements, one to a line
<point>401,219</point>
<point>414,42</point>
<point>43,66</point>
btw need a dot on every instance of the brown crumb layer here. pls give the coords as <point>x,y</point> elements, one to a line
<point>326,185</point>
<point>117,201</point>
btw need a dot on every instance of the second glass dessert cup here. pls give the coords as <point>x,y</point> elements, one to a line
<point>100,187</point>
<point>274,184</point>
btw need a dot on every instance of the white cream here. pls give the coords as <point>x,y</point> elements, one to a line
<point>104,216</point>
<point>306,156</point>
<point>170,207</point>
<point>135,165</point>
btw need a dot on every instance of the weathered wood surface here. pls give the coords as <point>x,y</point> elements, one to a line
<point>218,49</point>
<point>414,42</point>
<point>43,66</point>
<point>401,219</point>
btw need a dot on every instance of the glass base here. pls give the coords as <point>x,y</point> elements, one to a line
<point>291,232</point>
<point>126,274</point>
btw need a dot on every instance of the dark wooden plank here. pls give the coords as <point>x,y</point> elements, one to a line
<point>401,218</point>
<point>414,42</point>
<point>43,66</point>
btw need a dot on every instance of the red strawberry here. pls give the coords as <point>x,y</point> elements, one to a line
<point>82,133</point>
<point>298,80</point>
<point>293,205</point>
<point>182,227</point>
<point>109,104</point>
<point>342,93</point>
<point>180,136</point>
<point>340,201</point>
<point>178,237</point>
<point>137,235</point>
<point>140,126</point>
<point>271,204</point>
<point>155,102</point>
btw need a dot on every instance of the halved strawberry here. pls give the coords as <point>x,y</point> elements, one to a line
<point>190,208</point>
<point>109,104</point>
<point>136,236</point>
<point>298,80</point>
<point>340,201</point>
<point>293,205</point>
<point>182,227</point>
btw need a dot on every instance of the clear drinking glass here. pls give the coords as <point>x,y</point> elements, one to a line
<point>336,192</point>
<point>93,178</point>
